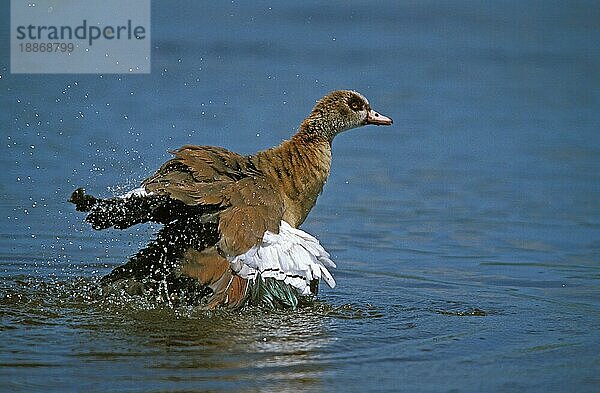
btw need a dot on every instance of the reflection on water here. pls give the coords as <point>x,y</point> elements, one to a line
<point>292,349</point>
<point>171,343</point>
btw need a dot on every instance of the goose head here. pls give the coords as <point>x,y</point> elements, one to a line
<point>340,111</point>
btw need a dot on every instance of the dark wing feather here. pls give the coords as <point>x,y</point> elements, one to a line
<point>209,199</point>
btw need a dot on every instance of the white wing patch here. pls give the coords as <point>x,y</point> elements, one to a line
<point>292,256</point>
<point>138,192</point>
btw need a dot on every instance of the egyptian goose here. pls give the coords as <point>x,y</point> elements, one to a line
<point>230,234</point>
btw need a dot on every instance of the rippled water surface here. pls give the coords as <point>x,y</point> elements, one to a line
<point>467,235</point>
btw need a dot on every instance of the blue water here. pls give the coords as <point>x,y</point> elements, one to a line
<point>467,235</point>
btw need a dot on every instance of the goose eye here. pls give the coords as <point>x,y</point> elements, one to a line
<point>355,105</point>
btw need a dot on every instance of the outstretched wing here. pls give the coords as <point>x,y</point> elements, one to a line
<point>245,204</point>
<point>219,211</point>
<point>197,175</point>
<point>219,206</point>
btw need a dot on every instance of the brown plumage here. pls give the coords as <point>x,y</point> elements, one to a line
<point>217,205</point>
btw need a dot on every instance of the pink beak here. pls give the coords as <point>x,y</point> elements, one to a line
<point>378,119</point>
